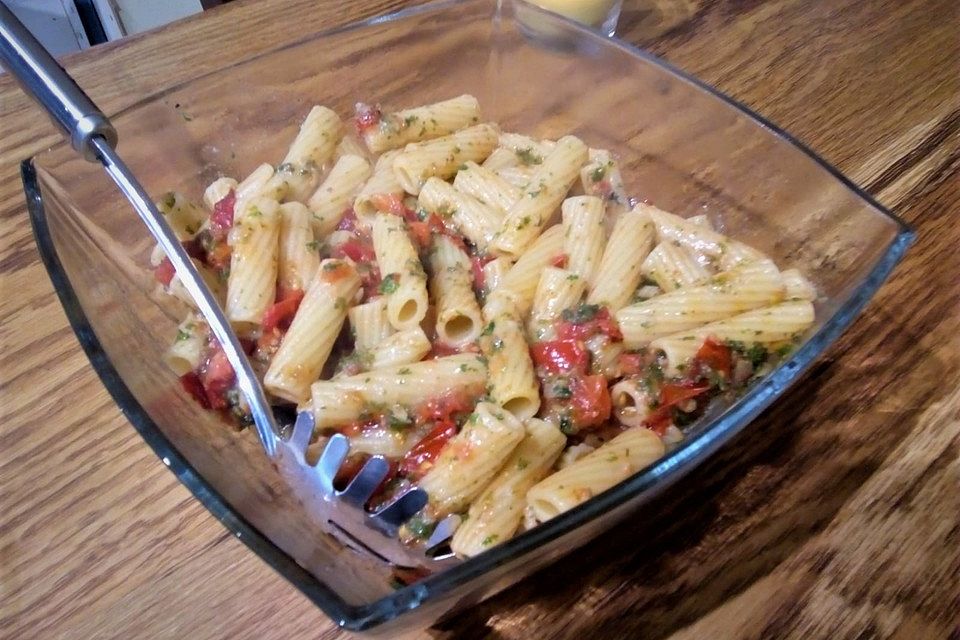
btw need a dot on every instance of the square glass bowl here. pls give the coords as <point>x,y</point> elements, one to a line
<point>682,146</point>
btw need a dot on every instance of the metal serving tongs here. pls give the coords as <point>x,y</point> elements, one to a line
<point>91,134</point>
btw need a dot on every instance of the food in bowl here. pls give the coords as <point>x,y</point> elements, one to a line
<point>491,312</point>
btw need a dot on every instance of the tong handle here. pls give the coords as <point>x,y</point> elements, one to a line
<point>44,79</point>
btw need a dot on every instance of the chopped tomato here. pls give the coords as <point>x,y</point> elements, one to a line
<point>222,216</point>
<point>477,263</point>
<point>559,261</point>
<point>673,394</point>
<point>658,421</point>
<point>601,322</point>
<point>717,356</point>
<point>421,232</point>
<point>191,384</point>
<point>281,314</point>
<point>332,272</point>
<point>423,454</point>
<point>561,356</point>
<point>367,116</point>
<point>631,364</point>
<point>445,407</point>
<point>357,250</point>
<point>349,221</point>
<point>591,401</point>
<point>164,272</point>
<point>217,377</point>
<point>219,255</point>
<point>390,203</point>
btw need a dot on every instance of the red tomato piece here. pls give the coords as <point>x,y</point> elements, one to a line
<point>631,364</point>
<point>349,221</point>
<point>421,233</point>
<point>279,315</point>
<point>559,261</point>
<point>219,255</point>
<point>445,407</point>
<point>222,216</point>
<point>423,454</point>
<point>673,394</point>
<point>390,203</point>
<point>191,384</point>
<point>356,250</point>
<point>164,272</point>
<point>367,116</point>
<point>717,356</point>
<point>561,356</point>
<point>591,401</point>
<point>479,277</point>
<point>217,376</point>
<point>658,421</point>
<point>602,322</point>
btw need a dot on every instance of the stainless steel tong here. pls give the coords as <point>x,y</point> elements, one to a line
<point>91,134</point>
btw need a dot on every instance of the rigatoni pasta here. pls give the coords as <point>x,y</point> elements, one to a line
<point>434,310</point>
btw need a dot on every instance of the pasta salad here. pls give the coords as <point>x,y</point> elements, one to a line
<point>490,312</point>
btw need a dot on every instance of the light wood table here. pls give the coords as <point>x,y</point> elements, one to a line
<point>837,515</point>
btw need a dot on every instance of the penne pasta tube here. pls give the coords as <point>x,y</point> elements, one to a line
<point>411,384</point>
<point>310,150</point>
<point>547,187</point>
<point>217,191</point>
<point>776,324</point>
<point>512,380</point>
<point>673,267</point>
<point>335,195</point>
<point>400,348</point>
<point>183,216</point>
<point>529,151</point>
<point>316,325</point>
<point>459,321</point>
<point>495,515</point>
<point>494,272</point>
<point>486,187</point>
<point>518,176</point>
<point>397,129</point>
<point>618,275</point>
<point>478,222</point>
<point>441,157</point>
<point>210,277</point>
<point>499,159</point>
<point>258,184</point>
<point>369,323</point>
<point>519,284</point>
<point>557,290</point>
<point>797,287</point>
<point>252,283</point>
<point>333,406</point>
<point>404,281</point>
<point>471,459</point>
<point>697,238</point>
<point>748,287</point>
<point>583,235</point>
<point>185,354</point>
<point>299,252</point>
<point>349,146</point>
<point>381,441</point>
<point>601,177</point>
<point>610,464</point>
<point>382,184</point>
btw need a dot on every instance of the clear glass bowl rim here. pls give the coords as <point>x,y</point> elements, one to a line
<point>654,478</point>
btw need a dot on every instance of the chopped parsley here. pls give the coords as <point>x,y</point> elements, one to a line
<point>581,313</point>
<point>489,540</point>
<point>599,173</point>
<point>314,245</point>
<point>183,335</point>
<point>389,284</point>
<point>340,304</point>
<point>528,157</point>
<point>488,330</point>
<point>331,266</point>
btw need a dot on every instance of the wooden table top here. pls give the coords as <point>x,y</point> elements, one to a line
<point>835,516</point>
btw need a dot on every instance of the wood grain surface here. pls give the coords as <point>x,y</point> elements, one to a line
<point>836,515</point>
